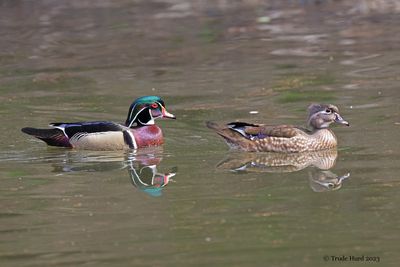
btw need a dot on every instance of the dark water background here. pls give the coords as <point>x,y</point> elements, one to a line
<point>218,60</point>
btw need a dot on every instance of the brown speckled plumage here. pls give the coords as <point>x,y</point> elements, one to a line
<point>284,138</point>
<point>320,178</point>
<point>279,162</point>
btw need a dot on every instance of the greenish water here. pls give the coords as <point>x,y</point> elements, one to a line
<point>193,202</point>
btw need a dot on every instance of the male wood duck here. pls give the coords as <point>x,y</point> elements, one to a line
<point>284,138</point>
<point>139,130</point>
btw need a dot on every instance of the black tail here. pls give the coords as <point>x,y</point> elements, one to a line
<point>40,133</point>
<point>53,137</point>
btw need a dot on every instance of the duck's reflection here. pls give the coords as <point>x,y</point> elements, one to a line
<point>322,181</point>
<point>318,162</point>
<point>142,168</point>
<point>145,176</point>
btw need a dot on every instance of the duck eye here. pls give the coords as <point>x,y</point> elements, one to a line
<point>328,110</point>
<point>154,105</point>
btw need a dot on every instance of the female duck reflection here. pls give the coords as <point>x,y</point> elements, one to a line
<point>142,168</point>
<point>320,178</point>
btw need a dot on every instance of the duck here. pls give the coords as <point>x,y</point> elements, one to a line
<point>138,131</point>
<point>284,138</point>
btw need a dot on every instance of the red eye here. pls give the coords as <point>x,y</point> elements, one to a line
<point>154,105</point>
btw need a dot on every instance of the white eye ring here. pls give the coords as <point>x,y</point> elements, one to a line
<point>328,111</point>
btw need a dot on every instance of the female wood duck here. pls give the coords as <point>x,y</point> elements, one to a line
<point>139,129</point>
<point>284,138</point>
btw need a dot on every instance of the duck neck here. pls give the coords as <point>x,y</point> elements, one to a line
<point>143,118</point>
<point>324,136</point>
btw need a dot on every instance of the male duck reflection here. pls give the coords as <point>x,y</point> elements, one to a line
<point>142,168</point>
<point>284,138</point>
<point>139,129</point>
<point>145,176</point>
<point>321,179</point>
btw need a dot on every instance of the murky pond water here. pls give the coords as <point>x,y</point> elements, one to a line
<point>193,202</point>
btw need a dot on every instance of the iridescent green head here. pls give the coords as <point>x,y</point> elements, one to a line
<point>145,109</point>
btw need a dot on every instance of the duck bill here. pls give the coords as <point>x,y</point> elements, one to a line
<point>163,113</point>
<point>166,114</point>
<point>340,120</point>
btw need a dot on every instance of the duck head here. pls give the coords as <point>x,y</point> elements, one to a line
<point>144,110</point>
<point>320,116</point>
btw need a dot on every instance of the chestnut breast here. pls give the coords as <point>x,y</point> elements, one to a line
<point>148,136</point>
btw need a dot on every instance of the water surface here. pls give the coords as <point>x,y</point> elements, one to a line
<point>193,202</point>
